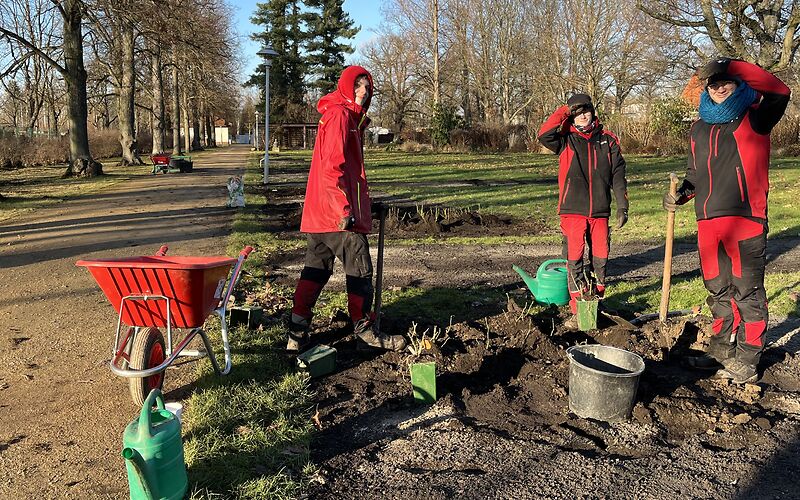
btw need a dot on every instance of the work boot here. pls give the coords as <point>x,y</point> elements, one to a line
<point>366,339</point>
<point>738,372</point>
<point>298,336</point>
<point>705,361</point>
<point>571,323</point>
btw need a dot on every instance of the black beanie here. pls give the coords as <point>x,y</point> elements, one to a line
<point>580,103</point>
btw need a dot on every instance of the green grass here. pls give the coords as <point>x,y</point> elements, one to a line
<point>439,178</point>
<point>247,434</point>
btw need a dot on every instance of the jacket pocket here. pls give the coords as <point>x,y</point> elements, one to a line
<point>566,190</point>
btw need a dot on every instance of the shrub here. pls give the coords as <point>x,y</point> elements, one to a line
<point>104,143</point>
<point>490,138</point>
<point>786,133</point>
<point>444,121</point>
<point>414,147</point>
<point>24,151</point>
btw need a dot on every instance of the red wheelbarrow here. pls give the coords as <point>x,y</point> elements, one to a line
<point>158,291</point>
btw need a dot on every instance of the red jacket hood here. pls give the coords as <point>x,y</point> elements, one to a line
<point>344,93</point>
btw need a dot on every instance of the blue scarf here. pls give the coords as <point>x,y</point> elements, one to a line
<point>730,109</point>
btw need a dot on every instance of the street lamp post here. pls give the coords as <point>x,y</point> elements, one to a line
<point>255,136</point>
<point>267,53</point>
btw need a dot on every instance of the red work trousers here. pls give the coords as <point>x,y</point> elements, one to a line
<point>580,232</point>
<point>733,258</point>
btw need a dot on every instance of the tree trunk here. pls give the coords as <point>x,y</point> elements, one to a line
<point>202,125</point>
<point>435,14</point>
<point>211,138</point>
<point>196,134</point>
<point>176,105</point>
<point>187,122</point>
<point>125,103</point>
<point>80,159</point>
<point>157,81</point>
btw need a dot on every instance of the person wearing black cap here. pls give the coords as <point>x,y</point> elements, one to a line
<point>590,166</point>
<point>727,175</point>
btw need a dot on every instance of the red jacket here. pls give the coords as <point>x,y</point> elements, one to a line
<point>728,170</point>
<point>589,166</point>
<point>337,183</point>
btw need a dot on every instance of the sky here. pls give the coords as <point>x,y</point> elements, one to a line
<point>365,13</point>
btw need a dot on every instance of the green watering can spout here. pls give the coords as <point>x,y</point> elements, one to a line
<point>137,462</point>
<point>529,280</point>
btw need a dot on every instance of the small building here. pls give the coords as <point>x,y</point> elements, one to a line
<point>380,135</point>
<point>293,135</point>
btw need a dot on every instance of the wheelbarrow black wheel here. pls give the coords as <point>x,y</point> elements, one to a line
<point>148,351</point>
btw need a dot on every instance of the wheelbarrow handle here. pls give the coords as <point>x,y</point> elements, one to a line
<point>162,251</point>
<point>246,251</point>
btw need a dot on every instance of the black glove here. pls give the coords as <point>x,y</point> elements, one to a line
<point>671,201</point>
<point>715,66</point>
<point>622,217</point>
<point>347,223</point>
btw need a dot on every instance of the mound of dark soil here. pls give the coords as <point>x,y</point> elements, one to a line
<point>405,222</point>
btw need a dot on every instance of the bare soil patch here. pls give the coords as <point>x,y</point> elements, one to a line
<point>503,410</point>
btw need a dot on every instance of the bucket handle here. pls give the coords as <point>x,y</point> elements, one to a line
<point>156,398</point>
<point>551,262</point>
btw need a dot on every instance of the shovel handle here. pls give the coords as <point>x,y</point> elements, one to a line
<point>667,276</point>
<point>379,270</point>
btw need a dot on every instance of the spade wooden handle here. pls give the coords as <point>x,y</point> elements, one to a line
<point>667,277</point>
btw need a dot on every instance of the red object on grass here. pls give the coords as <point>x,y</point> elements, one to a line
<point>194,286</point>
<point>161,159</point>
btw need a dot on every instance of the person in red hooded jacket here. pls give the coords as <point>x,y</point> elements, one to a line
<point>590,167</point>
<point>337,214</point>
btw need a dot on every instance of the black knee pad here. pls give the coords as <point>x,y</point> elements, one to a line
<point>316,275</point>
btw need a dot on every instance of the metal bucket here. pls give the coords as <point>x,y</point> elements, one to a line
<point>603,381</point>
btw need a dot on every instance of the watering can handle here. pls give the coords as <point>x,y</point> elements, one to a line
<point>156,398</point>
<point>551,262</point>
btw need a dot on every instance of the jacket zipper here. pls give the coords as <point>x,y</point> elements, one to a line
<point>358,193</point>
<point>589,150</point>
<point>710,179</point>
<point>741,188</point>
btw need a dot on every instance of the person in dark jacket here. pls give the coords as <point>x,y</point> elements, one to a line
<point>727,175</point>
<point>590,166</point>
<point>337,214</point>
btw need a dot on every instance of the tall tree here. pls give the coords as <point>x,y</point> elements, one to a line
<point>328,25</point>
<point>281,20</point>
<point>73,72</point>
<point>763,32</point>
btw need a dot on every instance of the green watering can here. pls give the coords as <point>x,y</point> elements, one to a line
<point>153,453</point>
<point>550,284</point>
